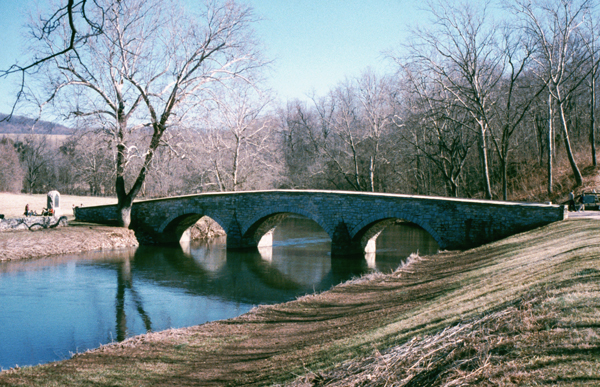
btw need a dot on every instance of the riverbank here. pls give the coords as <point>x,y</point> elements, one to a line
<point>74,238</point>
<point>522,311</point>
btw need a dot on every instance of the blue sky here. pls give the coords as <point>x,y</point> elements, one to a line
<point>315,44</point>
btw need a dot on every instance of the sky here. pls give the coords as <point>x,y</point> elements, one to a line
<point>314,44</point>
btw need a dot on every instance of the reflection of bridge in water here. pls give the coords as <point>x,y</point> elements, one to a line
<point>240,277</point>
<point>297,263</point>
<point>353,220</point>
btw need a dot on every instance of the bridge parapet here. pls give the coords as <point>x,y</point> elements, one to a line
<point>348,217</point>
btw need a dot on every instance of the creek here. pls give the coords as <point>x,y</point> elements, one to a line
<point>51,308</point>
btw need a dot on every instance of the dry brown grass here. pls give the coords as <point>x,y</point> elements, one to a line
<point>13,205</point>
<point>531,341</point>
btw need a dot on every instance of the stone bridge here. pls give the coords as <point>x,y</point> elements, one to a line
<point>353,220</point>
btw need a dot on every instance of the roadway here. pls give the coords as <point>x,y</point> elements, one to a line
<point>584,214</point>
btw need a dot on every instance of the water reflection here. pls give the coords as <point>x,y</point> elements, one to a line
<point>54,307</point>
<point>398,241</point>
<point>125,283</point>
<point>210,255</point>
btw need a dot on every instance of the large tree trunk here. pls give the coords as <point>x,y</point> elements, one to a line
<point>124,202</point>
<point>124,198</point>
<point>124,215</point>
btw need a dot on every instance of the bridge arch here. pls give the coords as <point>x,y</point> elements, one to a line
<point>265,221</point>
<point>173,227</point>
<point>367,231</point>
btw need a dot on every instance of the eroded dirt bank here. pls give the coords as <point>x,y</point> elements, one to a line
<point>75,238</point>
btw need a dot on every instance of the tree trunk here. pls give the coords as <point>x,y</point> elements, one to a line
<point>219,179</point>
<point>236,157</point>
<point>372,174</point>
<point>124,215</point>
<point>452,188</point>
<point>550,143</point>
<point>124,198</point>
<point>123,202</point>
<point>356,169</point>
<point>504,165</point>
<point>484,160</point>
<point>538,127</point>
<point>576,172</point>
<point>593,119</point>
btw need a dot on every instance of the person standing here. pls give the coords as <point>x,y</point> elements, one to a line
<point>571,201</point>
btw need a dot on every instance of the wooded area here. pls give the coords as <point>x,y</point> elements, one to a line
<point>482,102</point>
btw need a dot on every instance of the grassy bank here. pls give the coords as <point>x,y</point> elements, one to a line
<point>522,311</point>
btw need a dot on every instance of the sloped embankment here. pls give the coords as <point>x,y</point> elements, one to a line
<point>521,311</point>
<point>75,238</point>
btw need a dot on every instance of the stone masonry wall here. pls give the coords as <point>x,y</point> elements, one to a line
<point>32,223</point>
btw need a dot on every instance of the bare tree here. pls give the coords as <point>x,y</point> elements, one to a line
<point>338,137</point>
<point>302,158</point>
<point>432,127</point>
<point>513,102</point>
<point>560,58</point>
<point>93,162</point>
<point>590,33</point>
<point>351,122</point>
<point>146,70</point>
<point>73,14</point>
<point>239,135</point>
<point>377,111</point>
<point>35,155</point>
<point>460,52</point>
<point>11,174</point>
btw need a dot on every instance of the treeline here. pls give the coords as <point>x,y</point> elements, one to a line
<point>483,102</point>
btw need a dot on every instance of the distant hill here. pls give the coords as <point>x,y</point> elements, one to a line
<point>24,125</point>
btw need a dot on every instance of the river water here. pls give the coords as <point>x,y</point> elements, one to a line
<point>51,308</point>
